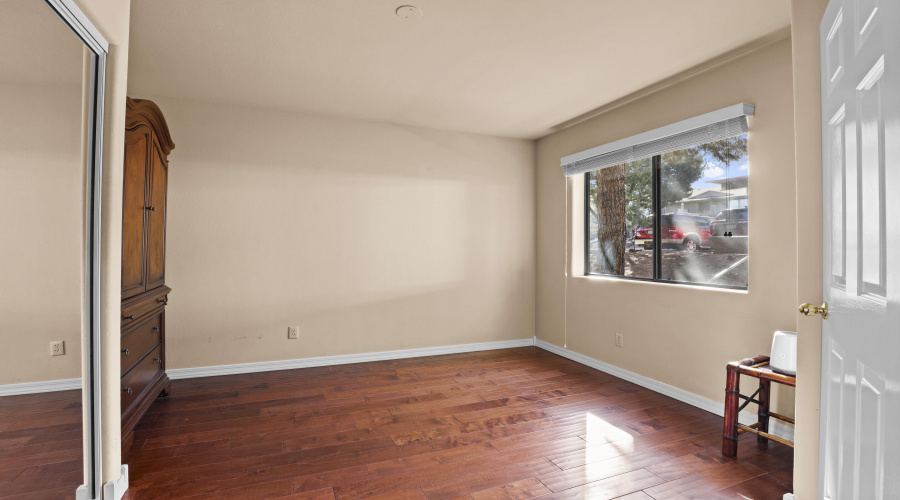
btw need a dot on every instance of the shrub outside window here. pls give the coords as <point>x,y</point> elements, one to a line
<point>679,217</point>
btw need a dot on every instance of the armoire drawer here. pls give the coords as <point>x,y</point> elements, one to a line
<point>140,341</point>
<point>136,381</point>
<point>135,308</point>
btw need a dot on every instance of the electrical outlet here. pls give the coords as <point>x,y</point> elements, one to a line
<point>57,348</point>
<point>293,332</point>
<point>620,340</point>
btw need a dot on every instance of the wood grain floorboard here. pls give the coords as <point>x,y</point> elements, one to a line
<point>40,445</point>
<point>503,424</point>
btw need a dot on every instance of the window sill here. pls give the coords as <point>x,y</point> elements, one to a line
<point>674,284</point>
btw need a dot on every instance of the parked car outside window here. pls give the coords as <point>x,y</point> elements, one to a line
<point>685,231</point>
<point>732,220</point>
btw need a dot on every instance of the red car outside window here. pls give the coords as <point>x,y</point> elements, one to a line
<point>686,231</point>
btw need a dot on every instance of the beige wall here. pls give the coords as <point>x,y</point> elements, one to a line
<point>368,236</point>
<point>683,336</point>
<point>41,199</point>
<point>805,18</point>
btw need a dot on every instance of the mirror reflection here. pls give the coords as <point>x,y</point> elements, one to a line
<point>42,207</point>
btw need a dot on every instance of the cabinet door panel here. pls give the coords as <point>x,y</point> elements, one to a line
<point>156,241</point>
<point>134,248</point>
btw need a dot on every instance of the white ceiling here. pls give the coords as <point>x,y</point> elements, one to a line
<point>512,68</point>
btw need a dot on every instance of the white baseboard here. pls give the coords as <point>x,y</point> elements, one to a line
<point>291,364</point>
<point>35,387</point>
<point>112,490</point>
<point>115,489</point>
<point>775,428</point>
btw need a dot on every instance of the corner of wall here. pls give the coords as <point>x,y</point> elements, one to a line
<point>806,15</point>
<point>112,19</point>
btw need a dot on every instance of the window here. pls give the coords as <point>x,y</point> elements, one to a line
<point>620,219</point>
<point>679,216</point>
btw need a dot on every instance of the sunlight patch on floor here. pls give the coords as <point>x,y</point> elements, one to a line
<point>598,433</point>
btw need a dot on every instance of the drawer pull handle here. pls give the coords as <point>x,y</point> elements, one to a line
<point>126,352</point>
<point>129,317</point>
<point>128,390</point>
<point>156,329</point>
<point>165,301</point>
<point>152,209</point>
<point>158,361</point>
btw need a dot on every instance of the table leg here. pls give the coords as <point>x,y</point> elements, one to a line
<point>732,388</point>
<point>762,413</point>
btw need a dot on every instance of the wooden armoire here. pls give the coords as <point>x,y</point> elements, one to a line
<point>144,290</point>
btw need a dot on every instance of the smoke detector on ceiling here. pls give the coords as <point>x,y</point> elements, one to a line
<point>409,12</point>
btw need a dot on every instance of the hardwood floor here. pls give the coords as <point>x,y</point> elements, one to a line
<point>40,445</point>
<point>514,423</point>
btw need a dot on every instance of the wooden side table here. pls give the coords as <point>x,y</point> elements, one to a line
<point>757,367</point>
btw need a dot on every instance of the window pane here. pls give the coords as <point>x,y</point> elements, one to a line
<point>704,203</point>
<point>620,227</point>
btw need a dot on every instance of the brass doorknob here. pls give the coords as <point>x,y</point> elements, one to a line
<point>809,309</point>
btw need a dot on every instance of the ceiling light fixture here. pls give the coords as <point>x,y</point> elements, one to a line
<point>409,12</point>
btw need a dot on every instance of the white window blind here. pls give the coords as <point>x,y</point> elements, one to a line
<point>714,126</point>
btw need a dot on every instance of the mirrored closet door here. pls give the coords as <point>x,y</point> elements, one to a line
<point>50,87</point>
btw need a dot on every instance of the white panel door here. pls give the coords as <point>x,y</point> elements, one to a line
<point>859,446</point>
